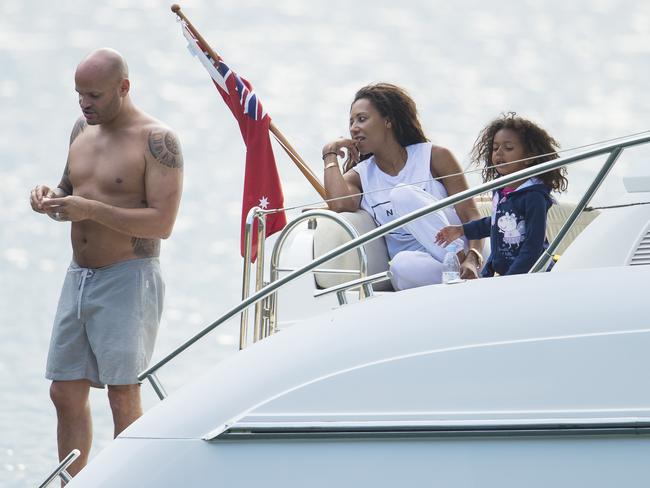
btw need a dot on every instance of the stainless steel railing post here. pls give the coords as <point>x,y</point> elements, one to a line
<point>260,216</point>
<point>61,469</point>
<point>157,386</point>
<point>540,264</point>
<point>310,216</point>
<point>246,275</point>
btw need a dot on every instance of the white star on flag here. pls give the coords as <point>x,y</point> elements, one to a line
<point>264,202</point>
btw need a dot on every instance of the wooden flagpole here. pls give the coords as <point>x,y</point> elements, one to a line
<point>291,152</point>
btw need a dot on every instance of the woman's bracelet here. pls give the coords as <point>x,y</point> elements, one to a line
<point>331,165</point>
<point>479,256</point>
<point>330,152</point>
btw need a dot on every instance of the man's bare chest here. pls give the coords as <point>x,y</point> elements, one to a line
<point>106,168</point>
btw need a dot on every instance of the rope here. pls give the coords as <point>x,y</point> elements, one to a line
<point>461,173</point>
<point>607,207</point>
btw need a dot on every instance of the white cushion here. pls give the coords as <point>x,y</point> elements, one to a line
<point>329,235</point>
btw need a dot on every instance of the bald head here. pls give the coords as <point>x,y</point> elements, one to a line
<point>104,63</point>
<point>102,82</point>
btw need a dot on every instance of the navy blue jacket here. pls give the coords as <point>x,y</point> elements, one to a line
<point>517,230</point>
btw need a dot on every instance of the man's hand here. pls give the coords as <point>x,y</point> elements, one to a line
<point>37,195</point>
<point>72,208</point>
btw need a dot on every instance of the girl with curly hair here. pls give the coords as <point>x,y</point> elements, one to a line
<point>517,227</point>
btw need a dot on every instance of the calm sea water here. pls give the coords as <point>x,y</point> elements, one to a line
<point>579,68</point>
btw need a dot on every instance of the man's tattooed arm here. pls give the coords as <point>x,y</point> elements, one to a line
<point>163,179</point>
<point>78,128</point>
<point>145,248</point>
<point>64,187</point>
<point>165,148</point>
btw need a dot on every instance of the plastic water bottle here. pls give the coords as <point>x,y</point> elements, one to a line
<point>451,265</point>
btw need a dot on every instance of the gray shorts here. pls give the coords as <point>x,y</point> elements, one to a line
<point>106,323</point>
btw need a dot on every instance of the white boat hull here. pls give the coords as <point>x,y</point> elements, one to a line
<point>442,395</point>
<point>459,462</point>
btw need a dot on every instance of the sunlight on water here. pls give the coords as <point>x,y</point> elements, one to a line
<point>579,68</point>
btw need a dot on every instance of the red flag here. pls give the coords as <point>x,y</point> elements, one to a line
<point>262,187</point>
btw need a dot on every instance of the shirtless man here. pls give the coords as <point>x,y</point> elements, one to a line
<point>121,189</point>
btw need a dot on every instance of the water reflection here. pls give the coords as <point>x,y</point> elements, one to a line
<point>579,68</point>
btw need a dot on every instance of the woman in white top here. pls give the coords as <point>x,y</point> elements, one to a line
<point>398,170</point>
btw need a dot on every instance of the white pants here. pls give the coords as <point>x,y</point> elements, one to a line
<point>410,269</point>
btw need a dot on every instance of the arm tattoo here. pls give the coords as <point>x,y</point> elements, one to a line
<point>145,248</point>
<point>165,148</point>
<point>66,184</point>
<point>78,128</point>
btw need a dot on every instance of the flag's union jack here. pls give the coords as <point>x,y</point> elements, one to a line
<point>261,181</point>
<point>251,105</point>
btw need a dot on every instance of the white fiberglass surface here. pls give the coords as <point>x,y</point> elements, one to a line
<point>492,340</point>
<point>608,241</point>
<point>462,463</point>
<point>558,377</point>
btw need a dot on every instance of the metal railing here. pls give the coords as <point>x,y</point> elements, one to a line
<point>540,264</point>
<point>342,288</point>
<point>612,150</point>
<point>60,470</point>
<point>405,428</point>
<point>265,321</point>
<point>365,288</point>
<point>255,214</point>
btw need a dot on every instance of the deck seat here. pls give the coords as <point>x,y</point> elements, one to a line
<point>329,235</point>
<point>557,215</point>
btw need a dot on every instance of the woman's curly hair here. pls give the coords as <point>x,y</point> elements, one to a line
<point>536,142</point>
<point>396,104</point>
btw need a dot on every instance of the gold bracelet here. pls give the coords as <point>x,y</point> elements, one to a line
<point>479,256</point>
<point>331,165</point>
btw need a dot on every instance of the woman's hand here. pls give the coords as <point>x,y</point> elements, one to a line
<point>469,268</point>
<point>343,188</point>
<point>338,148</point>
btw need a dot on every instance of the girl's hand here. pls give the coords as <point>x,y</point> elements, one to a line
<point>449,234</point>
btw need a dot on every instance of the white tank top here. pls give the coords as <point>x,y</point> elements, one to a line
<point>416,171</point>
